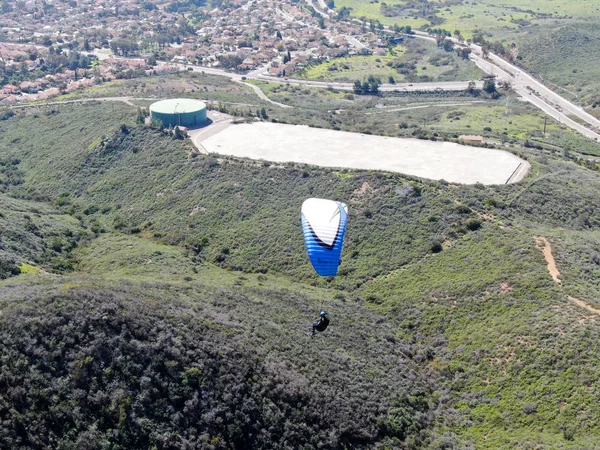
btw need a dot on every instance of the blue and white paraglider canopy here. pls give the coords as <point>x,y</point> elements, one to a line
<point>324,225</point>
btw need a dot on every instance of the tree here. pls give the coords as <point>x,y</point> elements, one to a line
<point>177,134</point>
<point>463,52</point>
<point>513,52</point>
<point>330,4</point>
<point>374,87</point>
<point>448,45</point>
<point>439,38</point>
<point>8,269</point>
<point>471,89</point>
<point>156,124</point>
<point>230,61</point>
<point>478,38</point>
<point>489,86</point>
<point>123,46</point>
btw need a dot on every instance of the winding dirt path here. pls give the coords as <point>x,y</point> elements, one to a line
<point>543,244</point>
<point>584,305</point>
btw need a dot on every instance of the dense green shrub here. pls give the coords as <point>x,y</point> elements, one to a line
<point>95,368</point>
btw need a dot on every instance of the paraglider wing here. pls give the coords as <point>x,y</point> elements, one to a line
<point>324,224</point>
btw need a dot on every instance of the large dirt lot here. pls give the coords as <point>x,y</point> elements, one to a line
<point>434,160</point>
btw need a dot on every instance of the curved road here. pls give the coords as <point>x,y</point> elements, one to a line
<point>258,75</point>
<point>532,90</point>
<point>538,95</point>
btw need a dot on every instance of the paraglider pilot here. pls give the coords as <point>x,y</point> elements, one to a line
<point>321,324</point>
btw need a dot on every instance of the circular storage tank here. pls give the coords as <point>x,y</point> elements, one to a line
<point>179,111</point>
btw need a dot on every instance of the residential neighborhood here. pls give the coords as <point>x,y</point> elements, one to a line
<point>47,48</point>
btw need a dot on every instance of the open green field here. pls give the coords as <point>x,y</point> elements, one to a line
<point>352,68</point>
<point>414,60</point>
<point>202,86</point>
<point>485,15</point>
<point>365,9</point>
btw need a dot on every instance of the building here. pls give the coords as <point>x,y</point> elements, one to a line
<point>469,138</point>
<point>186,112</point>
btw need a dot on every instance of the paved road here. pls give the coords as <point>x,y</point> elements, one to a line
<point>432,86</point>
<point>531,90</point>
<point>310,3</point>
<point>522,78</point>
<point>235,77</point>
<point>543,98</point>
<point>425,106</point>
<point>219,121</point>
<point>127,100</point>
<point>354,42</point>
<point>259,75</point>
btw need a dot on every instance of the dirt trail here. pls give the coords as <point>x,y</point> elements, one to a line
<point>543,244</point>
<point>584,305</point>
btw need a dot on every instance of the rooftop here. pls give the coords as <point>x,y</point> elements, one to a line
<point>177,106</point>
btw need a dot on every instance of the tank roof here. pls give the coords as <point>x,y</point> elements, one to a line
<point>177,106</point>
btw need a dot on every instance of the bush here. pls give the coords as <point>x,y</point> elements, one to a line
<point>8,269</point>
<point>473,224</point>
<point>435,246</point>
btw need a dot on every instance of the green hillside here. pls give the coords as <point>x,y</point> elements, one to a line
<point>173,300</point>
<point>568,60</point>
<point>35,236</point>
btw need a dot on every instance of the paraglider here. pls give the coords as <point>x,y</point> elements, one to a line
<point>324,226</point>
<point>321,324</point>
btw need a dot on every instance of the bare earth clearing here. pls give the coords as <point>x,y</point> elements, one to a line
<point>428,159</point>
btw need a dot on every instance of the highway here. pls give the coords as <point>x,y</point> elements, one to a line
<point>537,94</point>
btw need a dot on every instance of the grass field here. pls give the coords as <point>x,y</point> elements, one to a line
<point>201,86</point>
<point>412,61</point>
<point>372,10</point>
<point>490,17</point>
